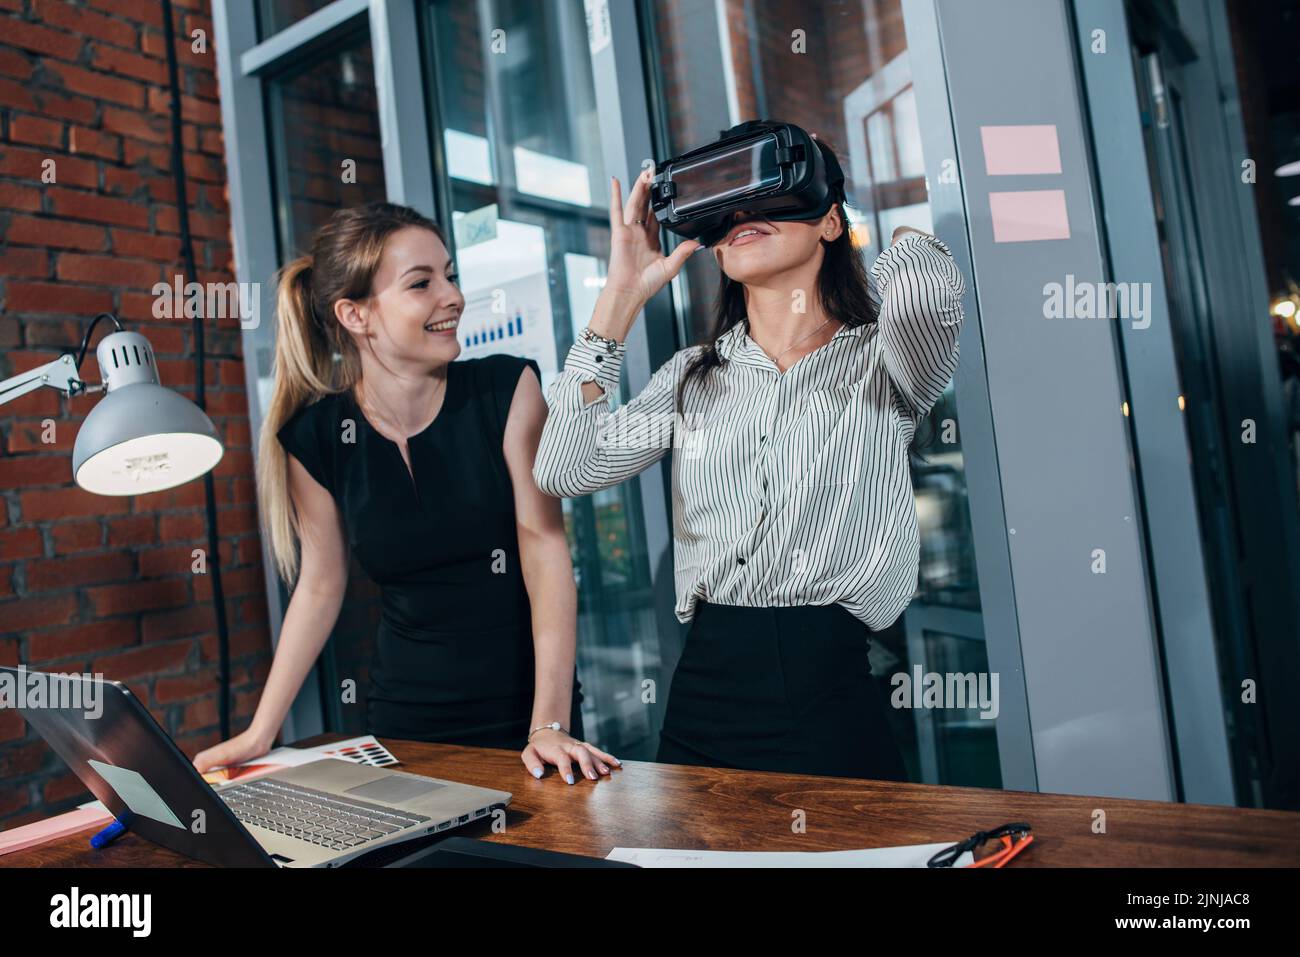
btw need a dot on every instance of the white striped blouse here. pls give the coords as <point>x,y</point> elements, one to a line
<point>788,488</point>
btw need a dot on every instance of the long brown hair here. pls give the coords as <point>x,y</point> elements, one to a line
<point>314,355</point>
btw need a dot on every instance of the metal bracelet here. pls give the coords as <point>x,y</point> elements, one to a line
<point>553,726</point>
<point>595,338</point>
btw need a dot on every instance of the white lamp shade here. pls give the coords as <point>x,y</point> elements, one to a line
<point>141,437</point>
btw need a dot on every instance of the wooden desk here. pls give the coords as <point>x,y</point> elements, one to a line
<point>659,805</point>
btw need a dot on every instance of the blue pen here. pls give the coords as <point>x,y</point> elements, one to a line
<point>108,835</point>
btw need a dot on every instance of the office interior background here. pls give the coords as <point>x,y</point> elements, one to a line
<point>1109,516</point>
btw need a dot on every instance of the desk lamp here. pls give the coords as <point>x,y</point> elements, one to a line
<point>141,437</point>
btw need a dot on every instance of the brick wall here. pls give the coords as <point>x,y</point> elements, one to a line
<point>88,582</point>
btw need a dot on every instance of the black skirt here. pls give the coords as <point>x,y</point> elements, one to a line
<point>784,689</point>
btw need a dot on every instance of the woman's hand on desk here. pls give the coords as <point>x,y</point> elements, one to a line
<point>240,748</point>
<point>561,750</point>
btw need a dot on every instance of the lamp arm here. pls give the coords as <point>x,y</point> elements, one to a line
<point>60,373</point>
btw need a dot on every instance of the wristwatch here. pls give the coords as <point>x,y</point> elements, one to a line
<point>599,341</point>
<point>553,726</point>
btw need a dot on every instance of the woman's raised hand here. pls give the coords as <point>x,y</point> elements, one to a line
<point>637,266</point>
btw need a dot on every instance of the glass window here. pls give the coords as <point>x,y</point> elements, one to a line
<point>513,91</point>
<point>274,15</point>
<point>325,141</point>
<point>326,154</point>
<point>840,69</point>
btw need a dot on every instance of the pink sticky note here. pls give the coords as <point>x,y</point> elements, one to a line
<point>53,828</point>
<point>1021,150</point>
<point>1029,215</point>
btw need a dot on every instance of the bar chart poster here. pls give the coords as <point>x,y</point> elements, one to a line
<point>512,317</point>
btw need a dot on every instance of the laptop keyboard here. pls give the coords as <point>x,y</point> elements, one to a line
<point>314,816</point>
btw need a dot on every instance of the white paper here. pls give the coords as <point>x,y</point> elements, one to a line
<point>133,789</point>
<point>907,855</point>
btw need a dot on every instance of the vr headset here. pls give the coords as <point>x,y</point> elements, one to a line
<point>775,170</point>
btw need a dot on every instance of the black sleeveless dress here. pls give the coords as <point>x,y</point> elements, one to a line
<point>454,651</point>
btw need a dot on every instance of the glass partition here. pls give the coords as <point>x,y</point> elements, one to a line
<point>511,85</point>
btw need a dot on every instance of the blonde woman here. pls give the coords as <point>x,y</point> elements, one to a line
<point>378,443</point>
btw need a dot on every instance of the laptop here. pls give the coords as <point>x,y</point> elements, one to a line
<point>320,814</point>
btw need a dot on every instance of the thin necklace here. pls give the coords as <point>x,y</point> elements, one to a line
<point>776,360</point>
<point>388,417</point>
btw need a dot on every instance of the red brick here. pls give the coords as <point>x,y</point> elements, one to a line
<point>55,233</point>
<point>56,574</point>
<point>207,227</point>
<point>199,715</point>
<point>166,562</point>
<point>107,270</point>
<point>76,20</point>
<point>185,687</point>
<point>181,528</point>
<point>134,152</point>
<point>255,640</point>
<point>147,13</point>
<point>144,68</point>
<point>78,109</point>
<point>23,759</point>
<point>13,196</point>
<point>15,64</point>
<point>181,623</point>
<point>81,640</point>
<point>193,109</point>
<point>94,143</point>
<point>31,470</point>
<point>128,242</point>
<point>36,131</point>
<point>137,596</point>
<point>23,262</point>
<point>48,297</point>
<point>120,181</point>
<point>99,85</point>
<point>29,435</point>
<point>69,537</point>
<point>149,660</point>
<point>17,95</point>
<point>62,788</point>
<point>39,164</point>
<point>132,530</point>
<point>24,614</point>
<point>153,129</point>
<point>101,209</point>
<point>12,728</point>
<point>21,543</point>
<point>235,582</point>
<point>41,39</point>
<point>40,505</point>
<point>187,496</point>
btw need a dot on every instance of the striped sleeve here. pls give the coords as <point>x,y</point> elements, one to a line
<point>585,447</point>
<point>921,291</point>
